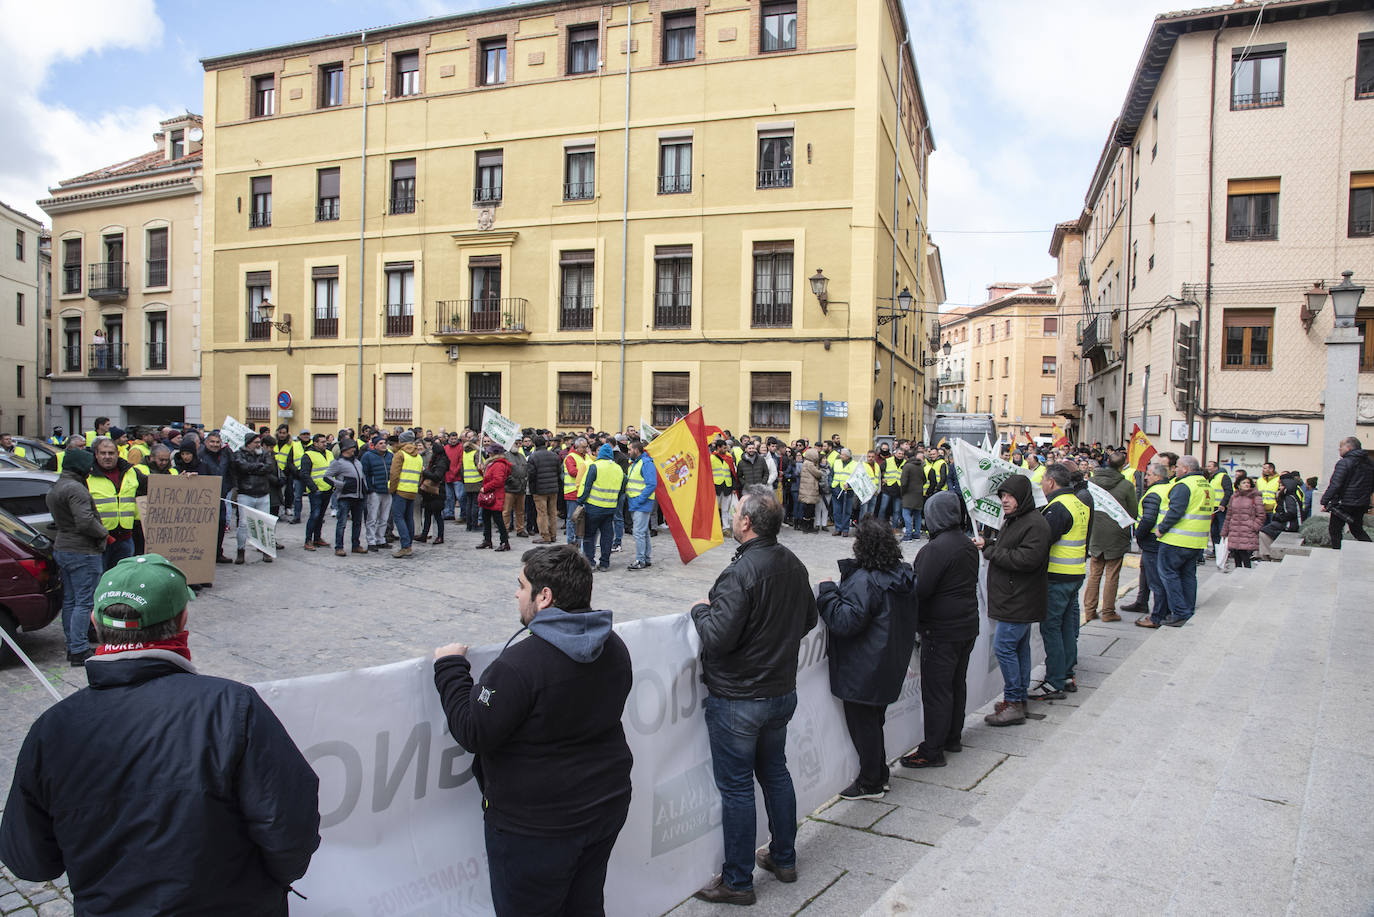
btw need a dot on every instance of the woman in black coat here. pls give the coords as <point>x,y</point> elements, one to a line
<point>432,494</point>
<point>871,616</point>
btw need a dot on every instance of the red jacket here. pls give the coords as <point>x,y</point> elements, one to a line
<point>455,463</point>
<point>1244,517</point>
<point>493,493</point>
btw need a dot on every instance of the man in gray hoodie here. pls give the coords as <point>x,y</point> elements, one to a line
<point>79,549</point>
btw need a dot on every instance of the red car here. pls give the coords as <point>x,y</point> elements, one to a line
<point>30,589</point>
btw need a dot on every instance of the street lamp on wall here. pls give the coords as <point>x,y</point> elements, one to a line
<point>1313,300</point>
<point>819,285</point>
<point>265,310</point>
<point>903,307</point>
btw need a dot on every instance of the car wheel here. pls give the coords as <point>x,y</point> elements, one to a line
<point>11,627</point>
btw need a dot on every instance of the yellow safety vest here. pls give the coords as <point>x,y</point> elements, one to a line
<point>1192,530</point>
<point>411,468</point>
<point>1218,491</point>
<point>737,452</point>
<point>90,437</point>
<point>892,470</point>
<point>116,507</point>
<point>937,469</point>
<point>875,474</point>
<point>319,464</point>
<point>1269,491</point>
<point>1160,490</point>
<point>1069,555</point>
<point>1037,475</point>
<point>21,451</point>
<point>571,485</point>
<point>605,490</point>
<point>289,455</point>
<point>472,468</point>
<point>833,459</point>
<point>720,471</point>
<point>123,452</point>
<point>635,485</point>
<point>840,477</point>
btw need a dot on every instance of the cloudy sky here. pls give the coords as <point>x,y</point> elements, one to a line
<point>1021,96</point>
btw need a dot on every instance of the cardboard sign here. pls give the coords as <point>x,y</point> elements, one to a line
<point>179,522</point>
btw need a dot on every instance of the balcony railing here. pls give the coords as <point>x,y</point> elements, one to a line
<point>1097,334</point>
<point>1082,272</point>
<point>772,309</point>
<point>674,184</point>
<point>671,311</point>
<point>952,377</point>
<point>396,415</point>
<point>157,354</point>
<point>579,190</point>
<point>575,414</point>
<point>1264,232</point>
<point>106,281</point>
<point>326,327</point>
<point>157,272</point>
<point>107,360</point>
<point>1080,394</point>
<point>775,178</point>
<point>1361,227</point>
<point>71,278</point>
<point>259,330</point>
<point>577,313</point>
<point>327,209</point>
<point>257,219</point>
<point>488,195</point>
<point>1241,100</point>
<point>403,204</point>
<point>481,316</point>
<point>400,320</point>
<point>257,413</point>
<point>1364,89</point>
<point>324,415</point>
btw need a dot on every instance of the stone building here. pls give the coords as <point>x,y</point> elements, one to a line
<point>1013,358</point>
<point>21,324</point>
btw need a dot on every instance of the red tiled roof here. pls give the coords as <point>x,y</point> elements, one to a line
<point>147,162</point>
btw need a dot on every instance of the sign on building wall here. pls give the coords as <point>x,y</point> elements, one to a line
<point>1178,430</point>
<point>1274,434</point>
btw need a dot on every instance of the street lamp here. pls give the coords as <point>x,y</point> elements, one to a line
<point>1342,370</point>
<point>819,283</point>
<point>902,308</point>
<point>1345,299</point>
<point>1313,300</point>
<point>265,310</point>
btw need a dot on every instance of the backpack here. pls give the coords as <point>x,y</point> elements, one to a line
<point>519,473</point>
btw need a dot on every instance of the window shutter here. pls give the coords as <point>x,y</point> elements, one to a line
<point>583,256</point>
<point>400,266</point>
<point>324,273</point>
<point>1252,186</point>
<point>772,386</point>
<point>398,391</point>
<point>325,391</point>
<point>672,388</point>
<point>402,169</point>
<point>669,252</point>
<point>772,248</point>
<point>1362,180</point>
<point>259,279</point>
<point>575,383</point>
<point>1248,318</point>
<point>484,261</point>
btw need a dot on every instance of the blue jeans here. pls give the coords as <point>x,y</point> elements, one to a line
<point>80,574</point>
<point>349,508</point>
<point>912,518</point>
<point>1059,630</point>
<point>1178,576</point>
<point>642,536</point>
<point>298,493</point>
<point>1011,645</point>
<point>1149,564</point>
<point>842,505</point>
<point>262,504</point>
<point>599,521</point>
<point>748,740</point>
<point>117,551</point>
<point>403,517</point>
<point>453,495</point>
<point>890,508</point>
<point>869,506</point>
<point>318,501</point>
<point>472,513</point>
<point>618,523</point>
<point>571,505</point>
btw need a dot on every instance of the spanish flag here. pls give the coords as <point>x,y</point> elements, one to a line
<point>1138,450</point>
<point>1058,434</point>
<point>687,489</point>
<point>1030,441</point>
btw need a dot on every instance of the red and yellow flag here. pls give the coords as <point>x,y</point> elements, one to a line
<point>686,488</point>
<point>1030,441</point>
<point>1138,450</point>
<point>1059,439</point>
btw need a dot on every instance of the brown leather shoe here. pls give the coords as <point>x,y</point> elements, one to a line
<point>1011,714</point>
<point>340,552</point>
<point>784,873</point>
<point>1110,616</point>
<point>1089,616</point>
<point>717,892</point>
<point>360,550</point>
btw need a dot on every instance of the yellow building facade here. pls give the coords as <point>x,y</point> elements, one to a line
<point>493,209</point>
<point>1012,372</point>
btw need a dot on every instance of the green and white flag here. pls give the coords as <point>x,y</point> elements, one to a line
<point>646,432</point>
<point>1104,502</point>
<point>980,474</point>
<point>500,428</point>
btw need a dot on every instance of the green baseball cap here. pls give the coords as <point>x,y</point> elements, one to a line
<point>150,584</point>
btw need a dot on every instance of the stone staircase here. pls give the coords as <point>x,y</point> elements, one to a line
<point>1222,768</point>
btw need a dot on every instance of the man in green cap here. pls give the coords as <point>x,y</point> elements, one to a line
<point>157,784</point>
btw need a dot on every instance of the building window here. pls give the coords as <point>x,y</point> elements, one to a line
<point>71,345</point>
<point>157,340</point>
<point>992,332</point>
<point>583,49</point>
<point>19,383</point>
<point>674,166</point>
<point>1256,79</point>
<point>1248,339</point>
<point>487,189</point>
<point>575,398</point>
<point>259,285</point>
<point>673,286</point>
<point>770,401</point>
<point>671,398</point>
<point>403,186</point>
<point>264,96</point>
<point>326,282</point>
<point>1364,321</point>
<point>259,402</point>
<point>1048,366</point>
<point>1008,328</point>
<point>679,36</point>
<point>1050,328</point>
<point>772,285</point>
<point>577,295</point>
<point>1252,210</point>
<point>19,308</point>
<point>978,335</point>
<point>324,398</point>
<point>155,274</point>
<point>990,370</point>
<point>397,394</point>
<point>400,298</point>
<point>579,182</point>
<point>493,62</point>
<point>1047,405</point>
<point>1364,68</point>
<point>778,29</point>
<point>775,159</point>
<point>977,371</point>
<point>71,265</point>
<point>484,274</point>
<point>331,85</point>
<point>1004,404</point>
<point>408,73</point>
<point>178,144</point>
<point>19,245</point>
<point>260,214</point>
<point>1006,367</point>
<point>327,195</point>
<point>1361,223</point>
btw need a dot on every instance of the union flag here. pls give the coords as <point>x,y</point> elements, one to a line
<point>686,488</point>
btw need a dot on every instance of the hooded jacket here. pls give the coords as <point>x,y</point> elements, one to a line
<point>1352,480</point>
<point>544,722</point>
<point>1244,519</point>
<point>69,500</point>
<point>493,493</point>
<point>254,472</point>
<point>871,616</point>
<point>947,574</point>
<point>1018,561</point>
<point>913,483</point>
<point>545,472</point>
<point>1109,540</point>
<point>809,477</point>
<point>347,478</point>
<point>589,479</point>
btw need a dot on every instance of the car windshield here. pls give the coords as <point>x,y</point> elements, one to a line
<point>21,531</point>
<point>17,461</point>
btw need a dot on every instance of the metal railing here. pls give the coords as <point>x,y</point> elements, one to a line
<point>952,377</point>
<point>772,309</point>
<point>396,415</point>
<point>674,184</point>
<point>1080,394</point>
<point>157,272</point>
<point>485,315</point>
<point>1248,233</point>
<point>1242,100</point>
<point>398,324</point>
<point>1364,89</point>
<point>775,178</point>
<point>579,414</point>
<point>71,358</point>
<point>108,360</point>
<point>107,279</point>
<point>71,278</point>
<point>1361,227</point>
<point>403,204</point>
<point>324,415</point>
<point>577,313</point>
<point>257,219</point>
<point>1097,333</point>
<point>257,413</point>
<point>671,312</point>
<point>488,195</point>
<point>326,328</point>
<point>327,209</point>
<point>157,354</point>
<point>259,330</point>
<point>579,190</point>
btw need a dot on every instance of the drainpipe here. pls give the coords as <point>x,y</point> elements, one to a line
<point>1205,362</point>
<point>896,189</point>
<point>625,212</point>
<point>362,234</point>
<point>1130,282</point>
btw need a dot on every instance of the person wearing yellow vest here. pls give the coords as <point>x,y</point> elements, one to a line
<point>842,498</point>
<point>723,475</point>
<point>287,453</point>
<point>873,467</point>
<point>1183,531</point>
<point>113,485</point>
<point>890,489</point>
<point>75,441</point>
<point>1069,514</point>
<point>1222,489</point>
<point>470,473</point>
<point>1268,485</point>
<point>641,490</point>
<point>315,460</point>
<point>1035,469</point>
<point>937,472</point>
<point>574,467</point>
<point>298,489</point>
<point>404,486</point>
<point>1153,505</point>
<point>101,428</point>
<point>600,492</point>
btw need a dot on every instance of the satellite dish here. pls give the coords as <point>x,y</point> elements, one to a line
<point>195,134</point>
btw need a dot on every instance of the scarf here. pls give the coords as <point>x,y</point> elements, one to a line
<point>174,644</point>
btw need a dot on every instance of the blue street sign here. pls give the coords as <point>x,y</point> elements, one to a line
<point>835,409</point>
<point>805,406</point>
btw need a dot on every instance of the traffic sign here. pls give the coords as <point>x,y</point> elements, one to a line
<point>806,406</point>
<point>836,409</point>
<point>284,400</point>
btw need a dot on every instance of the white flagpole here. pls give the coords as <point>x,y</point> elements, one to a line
<point>29,662</point>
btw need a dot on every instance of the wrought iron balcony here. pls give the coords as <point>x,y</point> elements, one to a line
<point>400,321</point>
<point>1080,394</point>
<point>579,190</point>
<point>327,209</point>
<point>952,377</point>
<point>675,184</point>
<point>672,310</point>
<point>108,361</point>
<point>490,194</point>
<point>1243,100</point>
<point>772,309</point>
<point>108,281</point>
<point>404,203</point>
<point>577,313</point>
<point>775,178</point>
<point>157,354</point>
<point>1097,336</point>
<point>258,219</point>
<point>476,319</point>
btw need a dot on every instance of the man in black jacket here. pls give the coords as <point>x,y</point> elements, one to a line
<point>751,627</point>
<point>947,587</point>
<point>544,487</point>
<point>158,790</point>
<point>214,460</point>
<point>1347,495</point>
<point>544,723</point>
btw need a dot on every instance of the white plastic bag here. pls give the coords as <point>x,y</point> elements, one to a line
<point>1222,555</point>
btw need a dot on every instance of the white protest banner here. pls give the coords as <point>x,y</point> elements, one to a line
<point>861,484</point>
<point>401,815</point>
<point>262,528</point>
<point>233,432</point>
<point>1104,502</point>
<point>980,474</point>
<point>500,428</point>
<point>646,432</point>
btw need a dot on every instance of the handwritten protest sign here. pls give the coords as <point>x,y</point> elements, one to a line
<point>500,427</point>
<point>233,432</point>
<point>179,522</point>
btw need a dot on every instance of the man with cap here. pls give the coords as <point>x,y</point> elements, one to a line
<point>78,549</point>
<point>188,796</point>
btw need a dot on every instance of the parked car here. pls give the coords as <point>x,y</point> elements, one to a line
<point>10,460</point>
<point>30,588</point>
<point>40,452</point>
<point>24,493</point>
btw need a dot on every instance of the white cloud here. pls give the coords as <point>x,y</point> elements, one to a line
<point>46,142</point>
